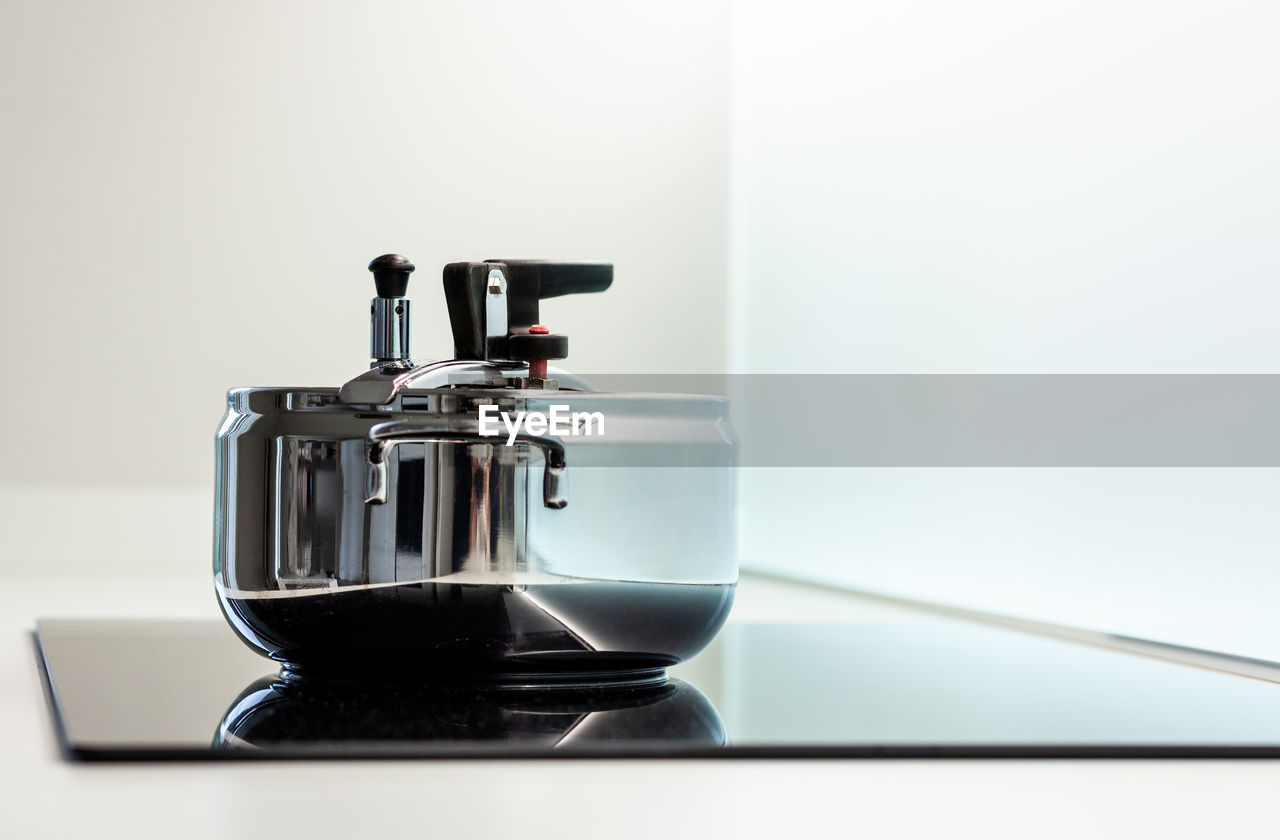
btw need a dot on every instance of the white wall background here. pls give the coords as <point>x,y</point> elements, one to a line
<point>189,193</point>
<point>999,187</point>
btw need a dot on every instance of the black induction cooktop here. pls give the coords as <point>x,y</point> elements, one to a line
<point>897,688</point>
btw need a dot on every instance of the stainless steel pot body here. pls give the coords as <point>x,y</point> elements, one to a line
<point>399,539</point>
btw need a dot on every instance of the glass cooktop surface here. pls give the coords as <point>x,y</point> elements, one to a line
<point>918,687</point>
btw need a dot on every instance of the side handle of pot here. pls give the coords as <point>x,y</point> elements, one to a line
<point>384,437</point>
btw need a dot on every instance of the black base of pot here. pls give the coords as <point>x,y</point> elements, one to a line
<point>451,677</point>
<point>563,633</point>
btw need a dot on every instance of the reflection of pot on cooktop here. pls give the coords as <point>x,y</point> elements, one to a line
<point>297,712</point>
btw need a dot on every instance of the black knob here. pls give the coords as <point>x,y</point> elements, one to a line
<point>533,346</point>
<point>391,275</point>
